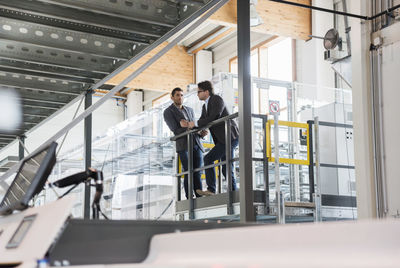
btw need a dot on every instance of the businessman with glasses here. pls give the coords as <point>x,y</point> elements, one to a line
<point>213,109</point>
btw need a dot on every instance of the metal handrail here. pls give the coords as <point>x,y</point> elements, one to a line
<point>215,122</point>
<point>208,166</point>
<point>190,170</point>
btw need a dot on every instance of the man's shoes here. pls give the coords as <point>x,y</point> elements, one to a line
<point>208,193</point>
<point>204,193</point>
<point>200,192</point>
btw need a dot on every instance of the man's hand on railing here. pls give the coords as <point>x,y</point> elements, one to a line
<point>190,131</point>
<point>203,133</point>
<point>185,123</point>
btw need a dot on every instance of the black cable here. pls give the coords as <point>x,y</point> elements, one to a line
<point>67,192</point>
<point>105,217</point>
<point>386,12</point>
<point>165,210</point>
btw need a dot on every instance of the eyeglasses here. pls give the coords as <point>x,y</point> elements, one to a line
<point>199,91</point>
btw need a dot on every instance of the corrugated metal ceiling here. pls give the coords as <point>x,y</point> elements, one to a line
<point>53,50</point>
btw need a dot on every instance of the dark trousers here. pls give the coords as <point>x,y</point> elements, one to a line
<point>218,153</point>
<point>197,160</point>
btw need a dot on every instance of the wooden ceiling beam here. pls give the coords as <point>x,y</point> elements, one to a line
<point>278,19</point>
<point>213,38</point>
<point>174,69</point>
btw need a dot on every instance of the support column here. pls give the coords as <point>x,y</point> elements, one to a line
<point>247,213</point>
<point>87,153</point>
<point>362,112</point>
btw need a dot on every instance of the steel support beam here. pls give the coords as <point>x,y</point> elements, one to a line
<point>247,212</point>
<point>27,83</point>
<point>31,73</point>
<point>3,139</point>
<point>42,99</point>
<point>33,105</point>
<point>80,20</point>
<point>53,57</point>
<point>35,115</point>
<point>64,48</point>
<point>88,153</point>
<point>48,69</point>
<point>21,147</point>
<point>52,67</point>
<point>68,39</point>
<point>62,24</point>
<point>137,16</point>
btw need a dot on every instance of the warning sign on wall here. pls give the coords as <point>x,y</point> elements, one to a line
<point>274,107</point>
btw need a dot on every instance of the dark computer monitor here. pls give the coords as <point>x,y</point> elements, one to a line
<point>29,180</point>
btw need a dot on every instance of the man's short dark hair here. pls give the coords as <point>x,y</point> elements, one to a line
<point>206,85</point>
<point>175,90</point>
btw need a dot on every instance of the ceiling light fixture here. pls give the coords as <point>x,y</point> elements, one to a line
<point>255,19</point>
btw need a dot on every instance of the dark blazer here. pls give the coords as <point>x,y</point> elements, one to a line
<point>172,116</point>
<point>216,109</point>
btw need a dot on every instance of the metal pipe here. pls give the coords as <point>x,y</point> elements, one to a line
<point>374,143</point>
<point>336,166</point>
<point>317,196</point>
<point>381,135</point>
<point>228,170</point>
<point>346,26</point>
<point>190,176</point>
<point>331,124</point>
<point>220,163</point>
<point>87,133</point>
<point>278,193</point>
<point>265,167</point>
<point>321,9</point>
<point>311,165</point>
<point>247,212</point>
<point>220,120</point>
<point>338,12</point>
<point>178,181</point>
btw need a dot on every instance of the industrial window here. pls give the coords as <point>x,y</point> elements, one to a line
<point>271,59</point>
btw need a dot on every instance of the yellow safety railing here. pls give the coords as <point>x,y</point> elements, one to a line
<point>287,160</point>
